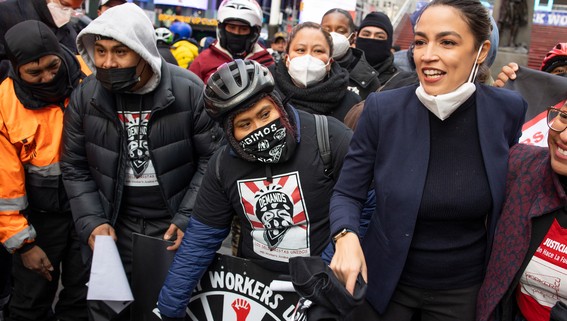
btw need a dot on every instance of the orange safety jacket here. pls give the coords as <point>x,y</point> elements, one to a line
<point>30,143</point>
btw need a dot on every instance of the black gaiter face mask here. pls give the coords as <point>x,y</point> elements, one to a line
<point>237,45</point>
<point>375,51</point>
<point>266,144</point>
<point>118,80</point>
<point>53,91</point>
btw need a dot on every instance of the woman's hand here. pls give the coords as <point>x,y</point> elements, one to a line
<point>348,261</point>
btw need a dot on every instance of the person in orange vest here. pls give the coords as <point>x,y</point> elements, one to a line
<point>35,218</point>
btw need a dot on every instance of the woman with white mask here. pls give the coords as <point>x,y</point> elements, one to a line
<point>309,77</point>
<point>438,154</point>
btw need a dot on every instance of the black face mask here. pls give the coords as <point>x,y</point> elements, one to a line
<point>266,144</point>
<point>562,75</point>
<point>237,44</point>
<point>53,91</point>
<point>375,51</point>
<point>118,80</point>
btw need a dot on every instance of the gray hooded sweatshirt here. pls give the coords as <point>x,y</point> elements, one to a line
<point>129,25</point>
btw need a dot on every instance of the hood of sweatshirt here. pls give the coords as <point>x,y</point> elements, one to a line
<point>129,25</point>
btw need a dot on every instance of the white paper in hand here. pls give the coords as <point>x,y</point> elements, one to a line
<point>108,280</point>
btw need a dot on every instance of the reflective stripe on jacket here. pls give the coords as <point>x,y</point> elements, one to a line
<point>30,143</point>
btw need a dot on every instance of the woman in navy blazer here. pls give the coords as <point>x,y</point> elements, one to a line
<point>438,154</point>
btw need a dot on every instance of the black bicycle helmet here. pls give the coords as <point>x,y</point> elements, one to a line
<point>234,84</point>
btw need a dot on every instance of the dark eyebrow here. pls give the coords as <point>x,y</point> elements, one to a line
<point>440,35</point>
<point>37,68</point>
<point>258,114</point>
<point>118,46</point>
<point>263,109</point>
<point>448,33</point>
<point>54,63</point>
<point>419,33</point>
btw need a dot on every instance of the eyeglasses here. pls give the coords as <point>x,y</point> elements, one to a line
<point>556,119</point>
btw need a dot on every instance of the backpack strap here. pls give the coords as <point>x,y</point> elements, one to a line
<point>322,131</point>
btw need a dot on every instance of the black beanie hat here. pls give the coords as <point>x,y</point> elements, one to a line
<point>380,20</point>
<point>30,40</point>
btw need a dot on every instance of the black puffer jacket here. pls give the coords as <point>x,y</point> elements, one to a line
<point>181,139</point>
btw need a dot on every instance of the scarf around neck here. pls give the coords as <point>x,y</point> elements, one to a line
<point>321,98</point>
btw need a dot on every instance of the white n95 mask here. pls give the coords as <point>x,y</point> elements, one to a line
<point>306,70</point>
<point>340,45</point>
<point>444,105</point>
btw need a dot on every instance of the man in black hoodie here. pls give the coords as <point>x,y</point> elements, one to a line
<point>56,14</point>
<point>35,218</point>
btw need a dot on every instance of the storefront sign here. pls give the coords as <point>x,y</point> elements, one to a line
<point>190,20</point>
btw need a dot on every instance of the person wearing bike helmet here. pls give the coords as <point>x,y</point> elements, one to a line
<point>270,175</point>
<point>164,38</point>
<point>555,61</point>
<point>238,31</point>
<point>183,48</point>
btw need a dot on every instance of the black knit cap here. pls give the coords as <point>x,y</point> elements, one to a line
<point>38,41</point>
<point>380,20</point>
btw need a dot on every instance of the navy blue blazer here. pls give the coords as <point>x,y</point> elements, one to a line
<point>391,145</point>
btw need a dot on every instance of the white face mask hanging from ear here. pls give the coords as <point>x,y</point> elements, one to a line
<point>444,105</point>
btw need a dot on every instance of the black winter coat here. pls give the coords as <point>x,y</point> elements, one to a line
<point>165,53</point>
<point>181,139</point>
<point>363,78</point>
